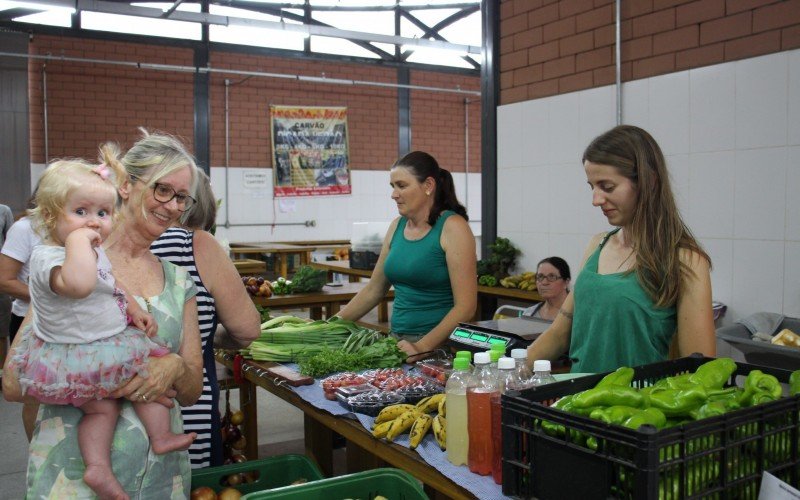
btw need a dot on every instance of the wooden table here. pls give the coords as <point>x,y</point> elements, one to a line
<point>355,275</point>
<point>331,298</point>
<point>250,266</point>
<point>281,251</point>
<point>363,450</point>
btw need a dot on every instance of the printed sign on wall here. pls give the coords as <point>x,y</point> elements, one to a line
<point>309,149</point>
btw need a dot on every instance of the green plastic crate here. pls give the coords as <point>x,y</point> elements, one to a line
<point>273,472</point>
<point>394,484</point>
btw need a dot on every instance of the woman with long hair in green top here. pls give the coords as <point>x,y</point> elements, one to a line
<point>645,286</point>
<point>428,255</point>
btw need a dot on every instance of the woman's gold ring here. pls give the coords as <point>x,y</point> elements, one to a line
<point>144,398</point>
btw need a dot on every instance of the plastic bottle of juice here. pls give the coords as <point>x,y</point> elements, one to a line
<point>541,373</point>
<point>481,388</point>
<point>507,380</point>
<point>466,355</point>
<point>456,403</point>
<point>521,360</point>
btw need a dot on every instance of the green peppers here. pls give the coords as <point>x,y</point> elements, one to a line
<point>794,383</point>
<point>613,414</point>
<point>714,374</point>
<point>760,387</point>
<point>621,376</point>
<point>608,396</point>
<point>648,416</point>
<point>677,402</point>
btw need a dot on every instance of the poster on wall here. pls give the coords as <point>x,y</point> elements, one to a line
<point>309,150</point>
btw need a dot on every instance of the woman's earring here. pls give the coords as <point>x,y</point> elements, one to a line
<point>428,193</point>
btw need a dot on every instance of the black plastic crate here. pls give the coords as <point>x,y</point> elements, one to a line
<point>719,457</point>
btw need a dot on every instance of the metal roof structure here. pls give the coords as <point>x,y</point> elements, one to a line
<point>397,32</point>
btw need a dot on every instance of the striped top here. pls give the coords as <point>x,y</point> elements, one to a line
<point>176,246</point>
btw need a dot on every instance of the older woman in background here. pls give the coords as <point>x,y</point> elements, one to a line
<point>552,283</point>
<point>223,307</point>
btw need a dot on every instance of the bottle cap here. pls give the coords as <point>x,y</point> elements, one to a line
<point>464,354</point>
<point>461,364</point>
<point>482,358</point>
<point>506,363</point>
<point>498,347</point>
<point>541,365</point>
<point>495,355</point>
<point>519,353</point>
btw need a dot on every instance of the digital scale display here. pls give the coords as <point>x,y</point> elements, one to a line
<point>477,339</point>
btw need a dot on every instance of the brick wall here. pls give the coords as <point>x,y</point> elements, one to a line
<point>91,103</point>
<point>559,46</point>
<point>439,120</point>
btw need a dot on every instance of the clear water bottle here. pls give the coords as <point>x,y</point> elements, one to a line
<point>521,362</point>
<point>541,373</point>
<point>456,403</point>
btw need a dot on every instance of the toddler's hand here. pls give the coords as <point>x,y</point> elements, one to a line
<point>95,240</point>
<point>144,321</point>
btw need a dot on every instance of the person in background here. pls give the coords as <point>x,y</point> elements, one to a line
<point>14,269</point>
<point>552,283</point>
<point>157,190</point>
<point>428,255</point>
<point>223,307</point>
<point>6,221</point>
<point>644,284</point>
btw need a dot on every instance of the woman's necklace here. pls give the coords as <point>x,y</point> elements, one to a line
<point>626,260</point>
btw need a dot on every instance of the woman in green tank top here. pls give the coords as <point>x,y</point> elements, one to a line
<point>428,255</point>
<point>645,286</point>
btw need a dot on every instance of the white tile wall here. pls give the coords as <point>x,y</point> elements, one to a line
<point>794,98</point>
<point>333,215</point>
<point>669,112</point>
<point>762,101</point>
<point>730,134</point>
<point>793,194</point>
<point>760,194</point>
<point>712,117</point>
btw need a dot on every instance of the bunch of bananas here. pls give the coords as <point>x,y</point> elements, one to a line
<point>524,281</point>
<point>416,419</point>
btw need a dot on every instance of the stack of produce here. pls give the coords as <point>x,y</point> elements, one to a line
<point>257,286</point>
<point>324,346</point>
<point>524,281</point>
<point>414,419</point>
<point>305,280</point>
<point>670,401</point>
<point>502,257</point>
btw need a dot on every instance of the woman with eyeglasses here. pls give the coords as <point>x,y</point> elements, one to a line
<point>645,285</point>
<point>552,283</point>
<point>157,191</point>
<point>227,316</point>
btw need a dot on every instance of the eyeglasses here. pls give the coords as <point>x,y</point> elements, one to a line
<point>550,278</point>
<point>164,194</point>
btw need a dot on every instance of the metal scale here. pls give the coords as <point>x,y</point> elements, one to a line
<point>512,332</point>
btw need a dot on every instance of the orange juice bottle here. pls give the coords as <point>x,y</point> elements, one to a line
<point>480,390</point>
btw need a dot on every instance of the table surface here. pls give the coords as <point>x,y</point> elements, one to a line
<point>352,430</point>
<point>341,294</point>
<point>343,267</point>
<point>268,247</point>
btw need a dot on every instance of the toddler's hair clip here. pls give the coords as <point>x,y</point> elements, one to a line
<point>102,170</point>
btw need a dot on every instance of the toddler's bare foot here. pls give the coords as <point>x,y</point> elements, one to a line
<point>102,481</point>
<point>172,442</point>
